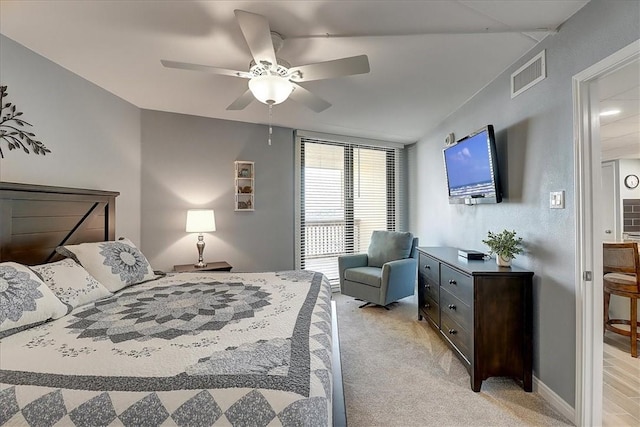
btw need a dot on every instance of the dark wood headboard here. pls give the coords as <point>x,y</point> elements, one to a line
<point>35,219</point>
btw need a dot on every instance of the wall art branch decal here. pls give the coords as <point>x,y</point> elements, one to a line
<point>11,132</point>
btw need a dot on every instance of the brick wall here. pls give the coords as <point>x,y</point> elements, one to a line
<point>631,215</point>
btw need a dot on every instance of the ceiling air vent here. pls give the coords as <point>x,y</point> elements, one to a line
<point>528,75</point>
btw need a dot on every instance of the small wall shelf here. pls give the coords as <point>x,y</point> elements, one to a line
<point>244,180</point>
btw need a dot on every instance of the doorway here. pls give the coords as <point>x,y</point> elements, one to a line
<point>619,102</point>
<point>590,219</point>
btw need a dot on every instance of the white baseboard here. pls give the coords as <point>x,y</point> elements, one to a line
<point>554,400</point>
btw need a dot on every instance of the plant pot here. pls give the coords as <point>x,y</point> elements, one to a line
<point>503,261</point>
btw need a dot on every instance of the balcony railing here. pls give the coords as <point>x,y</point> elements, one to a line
<point>324,242</point>
<point>324,239</point>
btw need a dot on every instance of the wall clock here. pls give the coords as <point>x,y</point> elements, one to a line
<point>631,181</point>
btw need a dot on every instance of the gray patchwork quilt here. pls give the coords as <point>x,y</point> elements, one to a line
<point>190,349</point>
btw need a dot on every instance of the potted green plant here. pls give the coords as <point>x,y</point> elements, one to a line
<point>505,245</point>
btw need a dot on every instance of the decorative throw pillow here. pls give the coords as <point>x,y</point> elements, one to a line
<point>25,299</point>
<point>116,264</point>
<point>388,246</point>
<point>70,282</point>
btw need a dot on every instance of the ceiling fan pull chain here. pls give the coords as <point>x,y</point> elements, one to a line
<point>270,117</point>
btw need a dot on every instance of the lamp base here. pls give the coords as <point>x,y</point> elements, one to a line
<point>200,246</point>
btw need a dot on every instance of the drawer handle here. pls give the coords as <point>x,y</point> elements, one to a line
<point>427,305</point>
<point>453,282</point>
<point>452,307</point>
<point>428,286</point>
<point>452,331</point>
<point>428,267</point>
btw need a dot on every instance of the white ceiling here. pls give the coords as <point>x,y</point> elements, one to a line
<point>427,58</point>
<point>620,133</point>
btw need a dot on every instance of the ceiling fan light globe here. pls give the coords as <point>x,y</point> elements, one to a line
<point>270,89</point>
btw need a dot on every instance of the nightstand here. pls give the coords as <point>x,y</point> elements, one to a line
<point>211,266</point>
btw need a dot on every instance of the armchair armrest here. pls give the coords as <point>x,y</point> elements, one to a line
<point>351,261</point>
<point>395,270</point>
<point>399,276</point>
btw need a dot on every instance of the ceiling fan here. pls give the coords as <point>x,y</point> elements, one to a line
<point>271,79</point>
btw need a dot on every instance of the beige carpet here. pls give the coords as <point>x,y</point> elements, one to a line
<point>398,372</point>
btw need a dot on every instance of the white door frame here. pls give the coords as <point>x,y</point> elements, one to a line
<point>588,189</point>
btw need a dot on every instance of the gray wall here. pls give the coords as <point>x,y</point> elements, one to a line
<point>94,136</point>
<point>187,162</point>
<point>535,150</point>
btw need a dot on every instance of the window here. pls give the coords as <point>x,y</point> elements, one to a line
<point>345,190</point>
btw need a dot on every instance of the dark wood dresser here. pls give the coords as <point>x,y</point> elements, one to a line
<point>483,311</point>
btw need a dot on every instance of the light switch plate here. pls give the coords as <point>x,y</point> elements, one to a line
<point>556,200</point>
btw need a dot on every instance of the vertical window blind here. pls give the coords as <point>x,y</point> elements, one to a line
<point>345,190</point>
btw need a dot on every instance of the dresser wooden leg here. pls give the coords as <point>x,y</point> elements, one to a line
<point>527,382</point>
<point>475,384</point>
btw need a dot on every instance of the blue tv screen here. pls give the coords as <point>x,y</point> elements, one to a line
<point>471,169</point>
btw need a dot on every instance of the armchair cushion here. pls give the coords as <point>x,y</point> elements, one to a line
<point>371,276</point>
<point>388,246</point>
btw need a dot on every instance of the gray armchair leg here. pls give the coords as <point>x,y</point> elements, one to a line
<point>370,303</point>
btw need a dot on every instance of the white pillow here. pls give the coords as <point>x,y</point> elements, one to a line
<point>71,283</point>
<point>25,299</point>
<point>115,264</point>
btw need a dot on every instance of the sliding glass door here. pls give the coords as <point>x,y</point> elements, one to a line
<point>345,192</point>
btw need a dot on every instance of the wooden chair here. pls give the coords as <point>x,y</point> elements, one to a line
<point>622,277</point>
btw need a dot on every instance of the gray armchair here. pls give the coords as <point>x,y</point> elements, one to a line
<point>386,273</point>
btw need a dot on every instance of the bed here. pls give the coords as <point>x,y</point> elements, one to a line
<point>206,348</point>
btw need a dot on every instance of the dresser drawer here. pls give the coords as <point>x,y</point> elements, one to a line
<point>431,310</point>
<point>458,284</point>
<point>431,289</point>
<point>429,267</point>
<point>456,309</point>
<point>459,336</point>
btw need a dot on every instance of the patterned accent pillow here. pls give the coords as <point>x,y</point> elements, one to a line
<point>116,264</point>
<point>25,299</point>
<point>71,283</point>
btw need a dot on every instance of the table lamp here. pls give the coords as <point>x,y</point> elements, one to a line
<point>200,221</point>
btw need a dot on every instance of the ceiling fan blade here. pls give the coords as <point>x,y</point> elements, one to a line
<point>242,101</point>
<point>205,68</point>
<point>330,69</point>
<point>307,98</point>
<point>257,33</point>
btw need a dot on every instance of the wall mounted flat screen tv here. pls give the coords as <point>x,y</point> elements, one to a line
<point>471,169</point>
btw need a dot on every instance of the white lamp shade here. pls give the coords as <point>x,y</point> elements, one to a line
<point>201,220</point>
<point>270,89</point>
